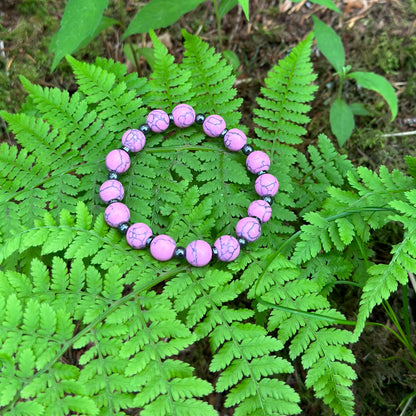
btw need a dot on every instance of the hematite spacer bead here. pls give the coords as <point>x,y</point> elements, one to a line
<point>149,240</point>
<point>113,175</point>
<point>179,253</point>
<point>170,115</point>
<point>268,199</point>
<point>125,148</point>
<point>242,241</point>
<point>262,172</point>
<point>199,119</point>
<point>112,201</point>
<point>224,132</point>
<point>123,227</point>
<point>214,252</point>
<point>247,149</point>
<point>145,129</point>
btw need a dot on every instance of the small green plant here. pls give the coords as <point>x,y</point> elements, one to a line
<point>88,325</point>
<point>84,20</point>
<point>342,113</point>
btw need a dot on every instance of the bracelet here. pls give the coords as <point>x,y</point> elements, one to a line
<point>162,247</point>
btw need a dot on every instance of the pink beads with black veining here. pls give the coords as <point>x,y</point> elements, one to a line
<point>198,253</point>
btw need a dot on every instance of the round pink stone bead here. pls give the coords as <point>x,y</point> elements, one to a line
<point>260,209</point>
<point>110,190</point>
<point>157,120</point>
<point>266,185</point>
<point>257,161</point>
<point>117,161</point>
<point>248,228</point>
<point>213,125</point>
<point>234,140</point>
<point>116,214</point>
<point>183,115</point>
<point>138,234</point>
<point>162,247</point>
<point>227,247</point>
<point>134,139</point>
<point>198,253</point>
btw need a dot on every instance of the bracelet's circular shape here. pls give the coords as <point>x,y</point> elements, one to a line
<point>197,253</point>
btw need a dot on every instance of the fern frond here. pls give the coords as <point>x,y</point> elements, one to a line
<point>242,351</point>
<point>302,317</point>
<point>280,121</point>
<point>128,341</point>
<point>323,168</point>
<point>288,90</point>
<point>385,278</point>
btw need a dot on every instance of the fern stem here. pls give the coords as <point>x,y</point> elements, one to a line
<point>123,26</point>
<point>307,314</point>
<point>217,16</point>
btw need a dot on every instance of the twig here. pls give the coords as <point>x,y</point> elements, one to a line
<point>403,133</point>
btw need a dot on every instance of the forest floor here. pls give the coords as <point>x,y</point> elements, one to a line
<point>378,36</point>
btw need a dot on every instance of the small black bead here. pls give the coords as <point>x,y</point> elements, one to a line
<point>123,227</point>
<point>199,119</point>
<point>262,172</point>
<point>113,175</point>
<point>125,148</point>
<point>224,132</point>
<point>112,201</point>
<point>268,199</point>
<point>214,251</point>
<point>242,241</point>
<point>145,129</point>
<point>247,149</point>
<point>149,240</point>
<point>170,117</point>
<point>179,253</point>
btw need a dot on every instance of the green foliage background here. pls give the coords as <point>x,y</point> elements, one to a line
<point>89,325</point>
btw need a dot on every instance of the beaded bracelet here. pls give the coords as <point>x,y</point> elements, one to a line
<point>162,247</point>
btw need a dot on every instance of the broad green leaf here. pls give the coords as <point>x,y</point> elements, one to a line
<point>226,6</point>
<point>330,44</point>
<point>327,3</point>
<point>341,119</point>
<point>359,110</point>
<point>244,5</point>
<point>79,22</point>
<point>378,84</point>
<point>159,13</point>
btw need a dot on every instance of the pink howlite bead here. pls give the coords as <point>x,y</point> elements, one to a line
<point>110,190</point>
<point>266,185</point>
<point>257,161</point>
<point>116,214</point>
<point>260,209</point>
<point>234,140</point>
<point>117,161</point>
<point>248,228</point>
<point>198,253</point>
<point>162,247</point>
<point>138,234</point>
<point>227,247</point>
<point>158,121</point>
<point>134,139</point>
<point>183,115</point>
<point>213,125</point>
